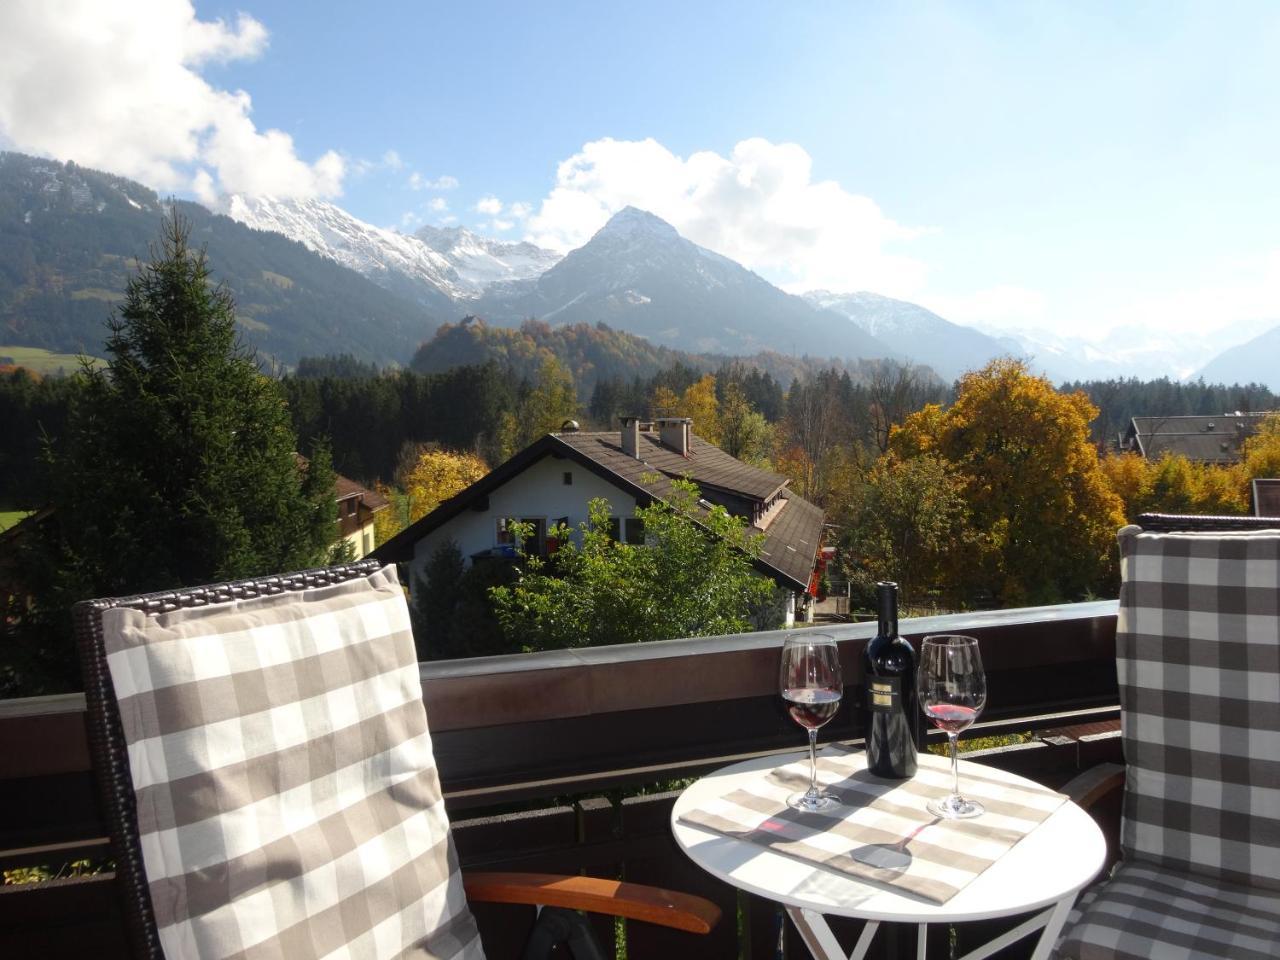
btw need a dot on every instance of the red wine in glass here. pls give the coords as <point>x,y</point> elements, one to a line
<point>952,688</point>
<point>812,707</point>
<point>951,717</point>
<point>810,681</point>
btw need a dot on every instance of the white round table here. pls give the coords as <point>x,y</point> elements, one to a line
<point>1043,872</point>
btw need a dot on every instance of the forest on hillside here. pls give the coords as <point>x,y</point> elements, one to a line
<point>595,352</point>
<point>372,415</point>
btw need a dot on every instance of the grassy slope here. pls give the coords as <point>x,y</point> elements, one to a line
<point>41,361</point>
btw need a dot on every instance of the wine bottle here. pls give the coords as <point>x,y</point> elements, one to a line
<point>890,712</point>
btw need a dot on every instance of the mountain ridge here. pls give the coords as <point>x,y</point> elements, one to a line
<point>638,274</point>
<point>914,331</point>
<point>70,238</point>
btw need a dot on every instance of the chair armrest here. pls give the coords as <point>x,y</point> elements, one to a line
<point>1088,788</point>
<point>632,900</point>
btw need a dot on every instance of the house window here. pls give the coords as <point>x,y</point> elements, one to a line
<point>615,528</point>
<point>568,479</point>
<point>506,536</point>
<point>634,530</point>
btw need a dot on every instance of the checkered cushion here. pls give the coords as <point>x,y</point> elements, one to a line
<point>288,802</point>
<point>1198,656</point>
<point>1146,912</point>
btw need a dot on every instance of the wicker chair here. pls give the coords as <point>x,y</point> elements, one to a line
<point>110,749</point>
<point>1198,657</point>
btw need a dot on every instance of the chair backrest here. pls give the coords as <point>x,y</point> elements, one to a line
<point>1198,659</point>
<point>266,768</point>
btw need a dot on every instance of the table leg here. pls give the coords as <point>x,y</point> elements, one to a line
<point>1053,927</point>
<point>1049,922</point>
<point>822,943</point>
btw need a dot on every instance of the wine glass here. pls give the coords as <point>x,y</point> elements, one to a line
<point>810,681</point>
<point>953,691</point>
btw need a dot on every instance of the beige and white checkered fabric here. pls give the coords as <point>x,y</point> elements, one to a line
<point>288,801</point>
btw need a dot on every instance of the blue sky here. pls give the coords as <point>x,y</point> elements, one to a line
<point>1069,166</point>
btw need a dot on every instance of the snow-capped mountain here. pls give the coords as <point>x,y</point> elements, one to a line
<point>88,229</point>
<point>1127,351</point>
<point>914,332</point>
<point>638,274</point>
<point>479,261</point>
<point>435,267</point>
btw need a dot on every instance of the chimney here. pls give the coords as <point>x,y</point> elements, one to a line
<point>631,436</point>
<point>674,433</point>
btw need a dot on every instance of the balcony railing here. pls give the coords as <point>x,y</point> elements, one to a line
<point>542,757</point>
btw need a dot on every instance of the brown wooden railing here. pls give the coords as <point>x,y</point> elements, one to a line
<point>542,758</point>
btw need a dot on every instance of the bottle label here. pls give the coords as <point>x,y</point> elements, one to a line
<point>884,694</point>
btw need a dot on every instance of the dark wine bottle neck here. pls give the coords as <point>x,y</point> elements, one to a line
<point>887,609</point>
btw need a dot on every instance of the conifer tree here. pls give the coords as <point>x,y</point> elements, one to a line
<point>178,465</point>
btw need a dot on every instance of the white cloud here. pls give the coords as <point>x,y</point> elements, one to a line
<point>1240,295</point>
<point>501,225</point>
<point>1000,306</point>
<point>760,206</point>
<point>418,182</point>
<point>490,206</point>
<point>520,210</point>
<point>438,204</point>
<point>445,221</point>
<point>392,160</point>
<point>117,86</point>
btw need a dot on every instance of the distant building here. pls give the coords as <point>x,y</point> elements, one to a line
<point>356,508</point>
<point>1205,439</point>
<point>551,482</point>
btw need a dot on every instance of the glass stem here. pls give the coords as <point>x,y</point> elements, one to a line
<point>955,767</point>
<point>813,762</point>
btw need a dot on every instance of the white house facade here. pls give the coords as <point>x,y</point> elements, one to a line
<point>552,481</point>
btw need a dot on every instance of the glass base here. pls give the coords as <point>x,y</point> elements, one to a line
<point>812,804</point>
<point>955,807</point>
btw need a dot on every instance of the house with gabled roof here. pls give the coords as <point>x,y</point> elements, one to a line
<point>551,481</point>
<point>1204,439</point>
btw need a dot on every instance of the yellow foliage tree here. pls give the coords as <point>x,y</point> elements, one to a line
<point>387,523</point>
<point>1129,476</point>
<point>1043,515</point>
<point>699,404</point>
<point>1262,450</point>
<point>552,401</point>
<point>1174,484</point>
<point>664,402</point>
<point>438,475</point>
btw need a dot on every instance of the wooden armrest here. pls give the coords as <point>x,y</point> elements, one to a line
<point>632,900</point>
<point>1087,788</point>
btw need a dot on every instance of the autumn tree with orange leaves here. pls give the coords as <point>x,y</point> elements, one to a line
<point>1041,513</point>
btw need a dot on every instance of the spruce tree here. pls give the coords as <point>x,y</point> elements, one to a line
<point>178,465</point>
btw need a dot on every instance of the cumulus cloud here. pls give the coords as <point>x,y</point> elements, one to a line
<point>759,205</point>
<point>490,206</point>
<point>520,210</point>
<point>392,160</point>
<point>118,87</point>
<point>501,225</point>
<point>438,205</point>
<point>418,182</point>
